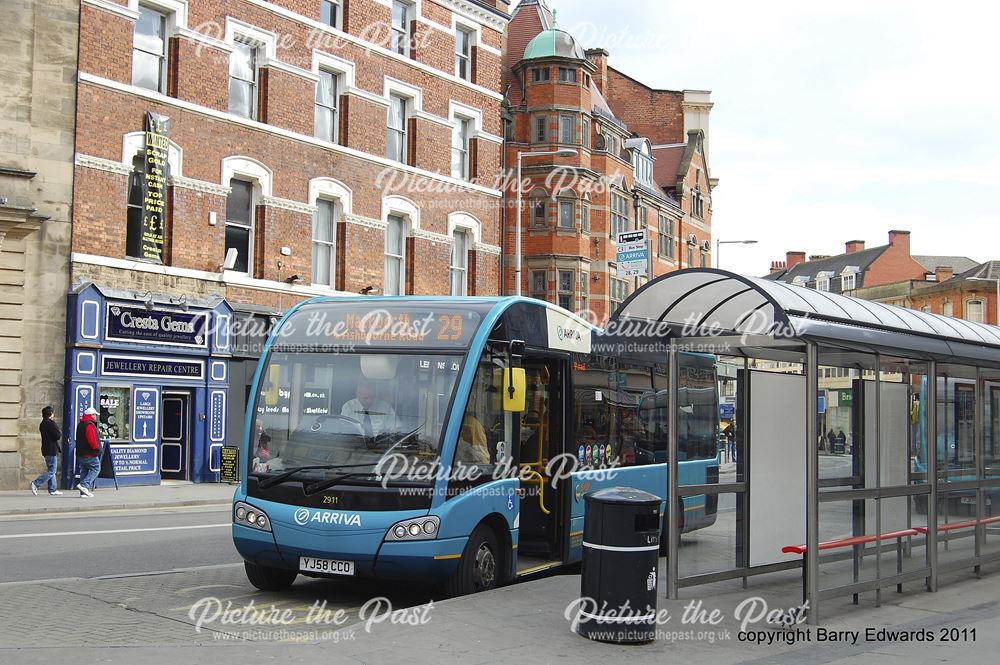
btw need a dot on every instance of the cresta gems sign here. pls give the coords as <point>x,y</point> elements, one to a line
<point>128,323</point>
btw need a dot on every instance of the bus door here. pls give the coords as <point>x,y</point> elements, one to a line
<point>540,439</point>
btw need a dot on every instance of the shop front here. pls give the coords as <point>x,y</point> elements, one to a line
<point>157,370</point>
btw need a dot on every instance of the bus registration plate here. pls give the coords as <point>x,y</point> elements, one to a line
<point>329,566</point>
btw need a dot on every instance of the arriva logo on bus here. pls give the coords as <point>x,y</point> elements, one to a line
<point>303,516</point>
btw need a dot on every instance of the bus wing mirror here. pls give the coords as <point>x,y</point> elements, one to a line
<point>515,388</point>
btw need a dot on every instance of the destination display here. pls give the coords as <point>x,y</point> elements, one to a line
<point>129,323</point>
<point>343,326</point>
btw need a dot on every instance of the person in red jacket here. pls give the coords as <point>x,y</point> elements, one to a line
<point>88,452</point>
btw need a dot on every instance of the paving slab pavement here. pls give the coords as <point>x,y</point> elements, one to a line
<point>146,618</point>
<point>22,502</point>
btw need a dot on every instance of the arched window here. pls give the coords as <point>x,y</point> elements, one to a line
<point>136,194</point>
<point>248,180</point>
<point>400,215</point>
<point>332,200</point>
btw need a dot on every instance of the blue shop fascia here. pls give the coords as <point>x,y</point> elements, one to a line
<point>157,370</point>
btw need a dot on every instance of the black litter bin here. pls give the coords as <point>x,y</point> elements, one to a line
<point>621,541</point>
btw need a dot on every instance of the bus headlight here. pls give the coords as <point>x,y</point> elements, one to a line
<point>247,515</point>
<point>419,528</point>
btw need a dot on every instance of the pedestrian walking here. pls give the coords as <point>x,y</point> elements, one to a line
<point>50,450</point>
<point>88,452</point>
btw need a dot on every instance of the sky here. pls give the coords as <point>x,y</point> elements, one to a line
<point>832,121</point>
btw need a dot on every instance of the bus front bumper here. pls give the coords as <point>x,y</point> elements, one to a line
<point>404,560</point>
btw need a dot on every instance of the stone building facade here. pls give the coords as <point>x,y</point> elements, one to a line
<point>38,39</point>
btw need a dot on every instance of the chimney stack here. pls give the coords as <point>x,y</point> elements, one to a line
<point>777,266</point>
<point>854,246</point>
<point>599,57</point>
<point>900,240</point>
<point>943,273</point>
<point>793,259</point>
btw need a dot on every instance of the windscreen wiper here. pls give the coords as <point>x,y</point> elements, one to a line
<point>321,485</point>
<point>285,475</point>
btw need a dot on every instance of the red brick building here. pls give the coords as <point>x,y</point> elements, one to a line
<point>640,162</point>
<point>314,147</point>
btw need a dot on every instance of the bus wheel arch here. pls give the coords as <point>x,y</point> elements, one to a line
<point>485,560</point>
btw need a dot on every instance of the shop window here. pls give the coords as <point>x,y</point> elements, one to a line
<point>115,410</point>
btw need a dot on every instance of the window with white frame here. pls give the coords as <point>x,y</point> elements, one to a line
<point>460,136</point>
<point>848,281</point>
<point>400,29</point>
<point>566,214</point>
<point>567,129</point>
<point>564,295</point>
<point>327,101</point>
<point>243,77</point>
<point>643,168</point>
<point>324,242</point>
<point>240,223</point>
<point>149,50</point>
<point>464,39</point>
<point>395,256</point>
<point>975,311</point>
<point>460,263</point>
<point>822,282</point>
<point>399,110</point>
<point>331,13</point>
<point>619,214</point>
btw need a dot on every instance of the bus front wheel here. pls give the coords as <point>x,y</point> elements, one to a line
<point>266,578</point>
<point>479,567</point>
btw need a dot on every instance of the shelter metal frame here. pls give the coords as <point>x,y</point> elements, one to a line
<point>710,310</point>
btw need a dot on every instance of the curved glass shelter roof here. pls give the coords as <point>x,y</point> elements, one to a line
<point>705,302</point>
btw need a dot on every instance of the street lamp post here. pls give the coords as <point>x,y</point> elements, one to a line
<point>997,282</point>
<point>564,152</point>
<point>718,243</point>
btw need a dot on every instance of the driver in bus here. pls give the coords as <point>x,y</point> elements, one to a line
<point>473,447</point>
<point>376,416</point>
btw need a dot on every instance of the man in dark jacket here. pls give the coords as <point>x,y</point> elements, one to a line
<point>88,452</point>
<point>50,448</point>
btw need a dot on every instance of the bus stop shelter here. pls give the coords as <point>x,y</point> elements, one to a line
<point>913,494</point>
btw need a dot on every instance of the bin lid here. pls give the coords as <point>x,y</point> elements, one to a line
<point>629,495</point>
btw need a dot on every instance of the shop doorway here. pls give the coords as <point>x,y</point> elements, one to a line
<point>176,436</point>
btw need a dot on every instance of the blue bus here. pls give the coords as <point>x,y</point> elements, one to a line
<point>450,440</point>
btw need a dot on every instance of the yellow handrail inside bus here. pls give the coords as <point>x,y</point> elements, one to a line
<point>534,476</point>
